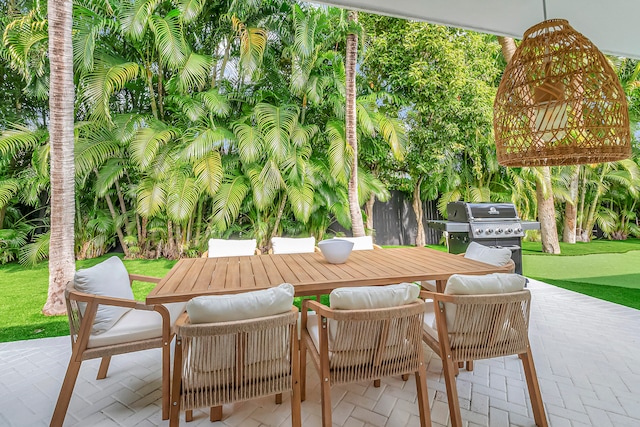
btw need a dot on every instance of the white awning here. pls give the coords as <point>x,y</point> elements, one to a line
<point>612,25</point>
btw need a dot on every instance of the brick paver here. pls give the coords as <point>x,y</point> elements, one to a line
<point>586,351</point>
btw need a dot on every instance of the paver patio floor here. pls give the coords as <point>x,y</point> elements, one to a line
<point>586,351</point>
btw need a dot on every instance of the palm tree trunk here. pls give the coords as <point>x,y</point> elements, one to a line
<point>571,209</point>
<point>123,207</point>
<point>546,212</point>
<point>61,139</point>
<point>368,209</point>
<point>152,93</point>
<point>544,193</point>
<point>274,230</point>
<point>114,215</point>
<point>357,226</point>
<point>421,239</point>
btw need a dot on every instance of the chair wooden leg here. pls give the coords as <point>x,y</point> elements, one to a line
<point>65,393</point>
<point>104,367</point>
<point>534,388</point>
<point>376,383</point>
<point>303,370</point>
<point>174,419</point>
<point>166,380</point>
<point>450,372</point>
<point>188,416</point>
<point>296,415</point>
<point>215,413</point>
<point>423,396</point>
<point>278,398</point>
<point>469,365</point>
<point>325,393</point>
<point>405,377</point>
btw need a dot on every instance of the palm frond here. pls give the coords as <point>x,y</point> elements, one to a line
<point>170,41</point>
<point>253,44</point>
<point>228,201</point>
<point>134,17</point>
<point>18,139</point>
<point>151,198</point>
<point>277,125</point>
<point>8,188</point>
<point>216,102</point>
<point>112,171</point>
<point>193,74</point>
<point>190,9</point>
<point>148,141</point>
<point>250,143</point>
<point>108,76</point>
<point>209,171</point>
<point>34,252</point>
<point>191,108</point>
<point>393,132</point>
<point>208,140</point>
<point>182,197</point>
<point>266,181</point>
<point>340,153</point>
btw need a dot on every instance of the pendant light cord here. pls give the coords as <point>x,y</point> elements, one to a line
<point>544,9</point>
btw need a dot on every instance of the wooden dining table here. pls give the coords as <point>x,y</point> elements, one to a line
<point>310,273</point>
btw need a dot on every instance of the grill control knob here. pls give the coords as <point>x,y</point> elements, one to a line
<point>489,230</point>
<point>479,230</point>
<point>518,230</point>
<point>509,230</point>
<point>498,230</point>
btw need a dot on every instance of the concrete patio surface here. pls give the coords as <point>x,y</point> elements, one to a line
<point>586,351</point>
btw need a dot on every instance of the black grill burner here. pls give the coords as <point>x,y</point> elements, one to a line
<point>490,224</point>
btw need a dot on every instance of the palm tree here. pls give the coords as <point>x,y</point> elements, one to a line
<point>357,226</point>
<point>61,110</point>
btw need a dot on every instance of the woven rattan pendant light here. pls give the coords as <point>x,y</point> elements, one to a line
<point>559,102</point>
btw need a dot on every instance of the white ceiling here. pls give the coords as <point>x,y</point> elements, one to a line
<point>612,25</point>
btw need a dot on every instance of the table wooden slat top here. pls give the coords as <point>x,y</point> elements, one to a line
<point>309,273</point>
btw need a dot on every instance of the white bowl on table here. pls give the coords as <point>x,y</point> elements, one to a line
<point>335,251</point>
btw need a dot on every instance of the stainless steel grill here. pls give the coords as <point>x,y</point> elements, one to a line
<point>490,224</point>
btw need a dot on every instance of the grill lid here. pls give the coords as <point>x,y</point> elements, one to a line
<point>468,212</point>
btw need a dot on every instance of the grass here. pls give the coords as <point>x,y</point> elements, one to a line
<point>609,270</point>
<point>24,292</point>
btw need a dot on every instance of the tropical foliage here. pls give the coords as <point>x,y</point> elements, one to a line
<point>208,119</point>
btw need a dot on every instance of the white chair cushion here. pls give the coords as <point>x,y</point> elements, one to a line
<point>108,278</point>
<point>368,297</point>
<point>293,245</point>
<point>247,305</point>
<point>493,256</point>
<point>363,243</point>
<point>495,283</point>
<point>222,247</point>
<point>136,325</point>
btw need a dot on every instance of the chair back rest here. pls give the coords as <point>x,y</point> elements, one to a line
<point>293,245</point>
<point>238,360</point>
<point>488,255</point>
<point>363,243</point>
<point>485,326</point>
<point>229,247</point>
<point>373,343</point>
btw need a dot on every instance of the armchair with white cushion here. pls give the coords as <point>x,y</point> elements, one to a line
<point>364,243</point>
<point>481,317</point>
<point>293,245</point>
<point>105,320</point>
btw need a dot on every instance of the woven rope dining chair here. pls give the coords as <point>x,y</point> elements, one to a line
<point>362,345</point>
<point>139,327</point>
<point>225,362</point>
<point>475,327</point>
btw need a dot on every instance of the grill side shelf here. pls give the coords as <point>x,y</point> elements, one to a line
<point>452,227</point>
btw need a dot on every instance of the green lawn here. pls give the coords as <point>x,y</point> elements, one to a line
<point>603,269</point>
